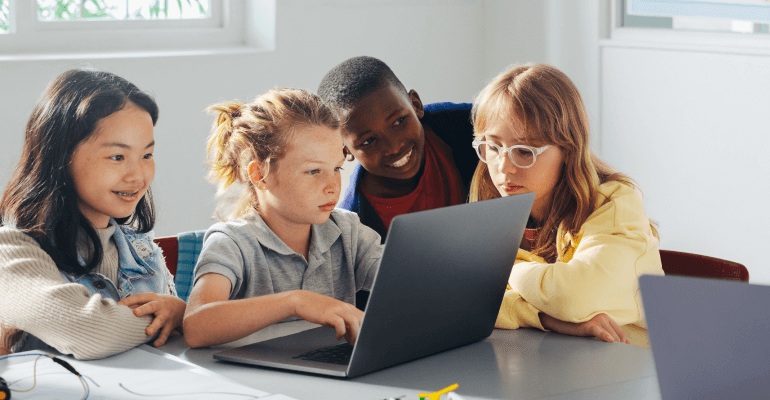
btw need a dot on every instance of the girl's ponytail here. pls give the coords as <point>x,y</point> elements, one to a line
<point>259,132</point>
<point>224,168</point>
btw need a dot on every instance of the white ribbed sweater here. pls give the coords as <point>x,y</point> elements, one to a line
<point>34,298</point>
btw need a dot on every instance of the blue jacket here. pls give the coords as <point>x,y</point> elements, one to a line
<point>451,122</point>
<point>142,269</point>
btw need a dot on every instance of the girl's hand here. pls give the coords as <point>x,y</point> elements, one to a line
<point>168,312</point>
<point>601,326</point>
<point>345,318</point>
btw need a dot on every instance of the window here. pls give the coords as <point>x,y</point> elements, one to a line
<point>114,10</point>
<point>4,12</point>
<point>84,27</point>
<point>736,16</point>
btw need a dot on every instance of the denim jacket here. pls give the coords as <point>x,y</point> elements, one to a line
<point>142,269</point>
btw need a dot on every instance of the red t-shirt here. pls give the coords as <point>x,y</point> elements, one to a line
<point>439,186</point>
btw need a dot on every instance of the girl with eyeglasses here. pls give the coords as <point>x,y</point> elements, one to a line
<point>588,239</point>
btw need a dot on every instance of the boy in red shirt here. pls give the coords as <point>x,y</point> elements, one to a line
<point>412,158</point>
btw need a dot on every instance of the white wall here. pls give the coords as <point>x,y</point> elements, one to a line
<point>691,127</point>
<point>563,33</point>
<point>513,32</point>
<point>688,125</point>
<point>432,46</point>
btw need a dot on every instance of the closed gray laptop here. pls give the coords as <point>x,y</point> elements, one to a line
<point>709,337</point>
<point>439,286</point>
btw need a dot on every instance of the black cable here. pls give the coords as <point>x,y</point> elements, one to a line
<point>65,365</point>
<point>6,394</point>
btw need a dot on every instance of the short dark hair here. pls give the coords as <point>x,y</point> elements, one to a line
<point>355,78</point>
<point>40,199</point>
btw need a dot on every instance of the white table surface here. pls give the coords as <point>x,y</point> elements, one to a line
<point>520,364</point>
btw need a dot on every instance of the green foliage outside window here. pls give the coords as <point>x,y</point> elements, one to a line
<point>158,11</point>
<point>4,16</point>
<point>67,10</point>
<point>64,10</point>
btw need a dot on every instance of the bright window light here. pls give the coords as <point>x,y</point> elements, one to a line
<point>4,13</point>
<point>121,10</point>
<point>743,26</point>
<point>735,16</point>
<point>116,28</point>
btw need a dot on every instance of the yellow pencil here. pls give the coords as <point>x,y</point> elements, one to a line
<point>437,395</point>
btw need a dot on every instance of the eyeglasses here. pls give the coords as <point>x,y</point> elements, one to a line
<point>520,155</point>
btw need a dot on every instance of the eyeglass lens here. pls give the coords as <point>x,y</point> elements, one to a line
<point>521,156</point>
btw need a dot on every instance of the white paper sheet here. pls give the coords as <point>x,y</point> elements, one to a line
<point>135,374</point>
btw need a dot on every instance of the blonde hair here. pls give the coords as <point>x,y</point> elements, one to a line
<point>545,102</point>
<point>259,131</point>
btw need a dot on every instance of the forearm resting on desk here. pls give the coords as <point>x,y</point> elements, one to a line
<point>601,326</point>
<point>213,319</point>
<point>35,299</point>
<point>516,313</point>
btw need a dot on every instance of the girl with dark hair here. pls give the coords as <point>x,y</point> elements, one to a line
<point>79,271</point>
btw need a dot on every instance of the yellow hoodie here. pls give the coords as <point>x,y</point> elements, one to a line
<point>598,274</point>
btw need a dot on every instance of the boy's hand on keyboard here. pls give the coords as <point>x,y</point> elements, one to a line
<point>345,318</point>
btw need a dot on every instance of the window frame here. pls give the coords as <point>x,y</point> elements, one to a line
<point>671,39</point>
<point>213,21</point>
<point>8,16</point>
<point>226,27</point>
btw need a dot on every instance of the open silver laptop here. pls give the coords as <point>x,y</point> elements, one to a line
<point>709,337</point>
<point>439,286</point>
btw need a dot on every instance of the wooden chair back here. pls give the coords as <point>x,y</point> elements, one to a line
<point>688,264</point>
<point>170,247</point>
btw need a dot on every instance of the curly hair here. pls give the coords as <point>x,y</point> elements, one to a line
<point>353,79</point>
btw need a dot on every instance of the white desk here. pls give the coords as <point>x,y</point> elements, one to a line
<point>522,364</point>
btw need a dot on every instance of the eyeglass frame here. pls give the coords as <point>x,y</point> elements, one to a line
<point>536,151</point>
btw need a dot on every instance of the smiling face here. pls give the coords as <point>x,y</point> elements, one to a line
<point>113,169</point>
<point>385,134</point>
<point>305,187</point>
<point>541,178</point>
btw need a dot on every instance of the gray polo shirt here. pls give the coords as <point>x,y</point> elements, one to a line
<point>343,257</point>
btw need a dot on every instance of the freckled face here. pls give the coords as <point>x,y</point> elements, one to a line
<point>306,186</point>
<point>540,178</point>
<point>113,169</point>
<point>385,134</point>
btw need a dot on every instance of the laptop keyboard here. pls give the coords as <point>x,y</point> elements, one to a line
<point>338,354</point>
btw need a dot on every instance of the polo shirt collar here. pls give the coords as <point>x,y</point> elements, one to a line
<point>322,236</point>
